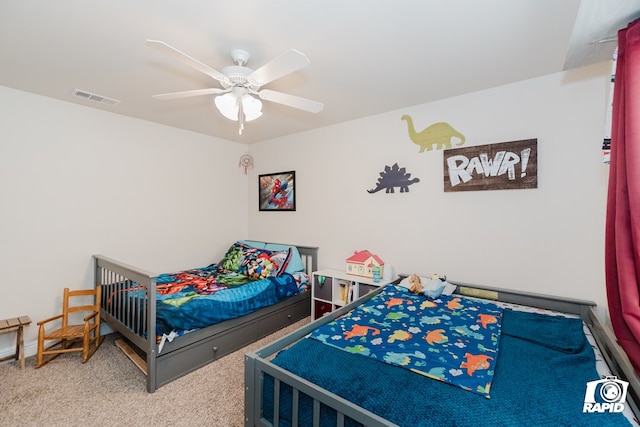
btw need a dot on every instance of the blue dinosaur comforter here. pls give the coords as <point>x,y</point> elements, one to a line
<point>449,338</point>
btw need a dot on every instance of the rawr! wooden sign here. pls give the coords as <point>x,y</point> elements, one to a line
<point>501,166</point>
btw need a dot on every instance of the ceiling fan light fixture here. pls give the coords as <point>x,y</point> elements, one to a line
<point>228,105</point>
<point>251,106</point>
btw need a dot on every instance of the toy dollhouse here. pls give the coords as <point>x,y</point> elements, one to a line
<point>361,263</point>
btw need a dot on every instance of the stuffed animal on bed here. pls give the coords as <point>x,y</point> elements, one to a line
<point>434,287</point>
<point>415,286</point>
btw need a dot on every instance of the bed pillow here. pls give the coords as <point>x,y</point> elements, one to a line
<point>262,263</point>
<point>255,244</point>
<point>295,262</point>
<point>253,262</point>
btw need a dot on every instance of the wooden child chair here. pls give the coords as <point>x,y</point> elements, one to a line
<point>68,336</point>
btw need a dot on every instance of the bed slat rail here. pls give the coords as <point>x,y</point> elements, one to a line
<point>549,302</point>
<point>299,385</point>
<point>129,306</point>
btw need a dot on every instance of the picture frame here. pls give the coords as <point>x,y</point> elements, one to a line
<point>277,191</point>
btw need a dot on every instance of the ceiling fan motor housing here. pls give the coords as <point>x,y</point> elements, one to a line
<point>238,76</point>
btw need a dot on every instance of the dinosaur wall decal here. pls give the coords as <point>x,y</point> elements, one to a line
<point>394,176</point>
<point>438,134</point>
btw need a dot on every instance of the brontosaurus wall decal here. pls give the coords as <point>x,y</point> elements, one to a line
<point>438,134</point>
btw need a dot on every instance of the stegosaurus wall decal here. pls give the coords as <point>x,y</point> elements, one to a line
<point>394,176</point>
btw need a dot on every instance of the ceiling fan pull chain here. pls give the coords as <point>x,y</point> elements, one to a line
<point>240,117</point>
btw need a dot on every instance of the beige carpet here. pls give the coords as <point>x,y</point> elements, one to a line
<point>109,390</point>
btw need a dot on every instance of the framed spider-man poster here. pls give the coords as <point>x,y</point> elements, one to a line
<point>277,191</point>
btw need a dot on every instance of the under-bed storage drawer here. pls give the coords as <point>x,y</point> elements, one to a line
<point>172,365</point>
<point>279,319</point>
<point>230,341</point>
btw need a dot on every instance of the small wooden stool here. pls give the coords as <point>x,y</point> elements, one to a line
<point>15,324</point>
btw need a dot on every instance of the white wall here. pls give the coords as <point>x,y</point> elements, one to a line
<point>75,181</point>
<point>547,240</point>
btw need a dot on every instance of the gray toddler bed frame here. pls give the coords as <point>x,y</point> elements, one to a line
<point>257,363</point>
<point>186,353</point>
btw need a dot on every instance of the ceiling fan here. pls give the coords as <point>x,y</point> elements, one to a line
<point>239,83</point>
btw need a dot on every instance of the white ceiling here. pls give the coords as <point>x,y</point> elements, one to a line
<point>367,56</point>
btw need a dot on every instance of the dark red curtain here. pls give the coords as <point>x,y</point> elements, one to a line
<point>622,241</point>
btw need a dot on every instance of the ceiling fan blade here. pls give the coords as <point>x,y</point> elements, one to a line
<point>186,59</point>
<point>291,100</point>
<point>188,93</point>
<point>290,61</point>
